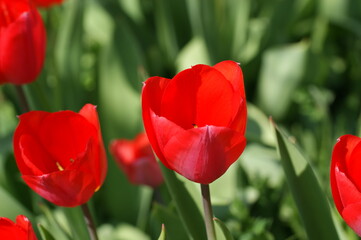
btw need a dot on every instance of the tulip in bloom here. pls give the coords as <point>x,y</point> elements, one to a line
<point>61,155</point>
<point>22,42</point>
<point>137,160</point>
<point>21,230</point>
<point>46,3</point>
<point>196,121</point>
<point>346,180</point>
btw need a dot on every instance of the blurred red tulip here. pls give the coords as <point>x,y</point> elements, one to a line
<point>46,3</point>
<point>21,230</point>
<point>137,160</point>
<point>22,42</point>
<point>346,180</point>
<point>196,121</point>
<point>61,155</point>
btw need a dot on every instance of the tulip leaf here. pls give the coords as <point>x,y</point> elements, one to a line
<point>162,235</point>
<point>76,221</point>
<point>45,234</point>
<point>10,207</point>
<point>282,71</point>
<point>120,232</point>
<point>306,190</point>
<point>169,217</point>
<point>226,233</point>
<point>188,211</point>
<point>195,52</point>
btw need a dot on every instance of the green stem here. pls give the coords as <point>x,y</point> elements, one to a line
<point>208,213</point>
<point>22,99</point>
<point>89,222</point>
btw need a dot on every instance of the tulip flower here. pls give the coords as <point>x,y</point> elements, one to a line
<point>61,155</point>
<point>346,180</point>
<point>46,3</point>
<point>196,121</point>
<point>137,160</point>
<point>21,230</point>
<point>22,42</point>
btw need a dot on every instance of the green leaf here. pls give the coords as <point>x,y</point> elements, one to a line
<point>223,228</point>
<point>169,217</point>
<point>121,232</point>
<point>195,52</point>
<point>68,51</point>
<point>55,222</point>
<point>10,207</point>
<point>77,224</point>
<point>307,193</point>
<point>281,72</point>
<point>189,212</point>
<point>162,235</point>
<point>45,234</point>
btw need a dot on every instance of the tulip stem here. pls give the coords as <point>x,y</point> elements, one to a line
<point>89,222</point>
<point>22,98</point>
<point>208,213</point>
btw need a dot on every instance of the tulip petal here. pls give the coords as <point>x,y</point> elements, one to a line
<point>33,155</point>
<point>199,154</point>
<point>68,188</point>
<point>352,216</point>
<point>72,186</point>
<point>22,48</point>
<point>233,73</point>
<point>340,155</point>
<point>90,113</point>
<point>349,194</point>
<point>65,136</point>
<point>151,97</point>
<point>24,223</point>
<point>29,123</point>
<point>199,96</point>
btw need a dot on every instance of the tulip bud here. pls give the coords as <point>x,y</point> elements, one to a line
<point>136,159</point>
<point>22,42</point>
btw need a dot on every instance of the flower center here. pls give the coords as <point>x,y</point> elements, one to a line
<point>59,166</point>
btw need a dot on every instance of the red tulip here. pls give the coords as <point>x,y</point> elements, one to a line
<point>21,230</point>
<point>137,160</point>
<point>61,155</point>
<point>196,121</point>
<point>346,180</point>
<point>46,3</point>
<point>22,42</point>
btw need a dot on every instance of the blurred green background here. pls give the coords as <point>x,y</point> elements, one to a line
<point>301,61</point>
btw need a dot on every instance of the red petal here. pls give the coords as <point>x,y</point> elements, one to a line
<point>65,136</point>
<point>29,124</point>
<point>22,48</point>
<point>199,154</point>
<point>233,73</point>
<point>24,223</point>
<point>34,160</point>
<point>340,155</point>
<point>90,113</point>
<point>352,216</point>
<point>71,187</point>
<point>151,96</point>
<point>147,172</point>
<point>199,96</point>
<point>348,192</point>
